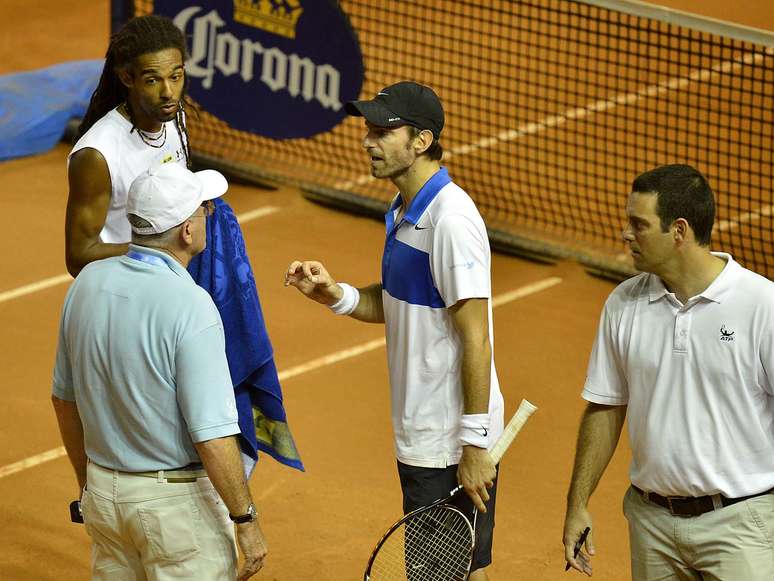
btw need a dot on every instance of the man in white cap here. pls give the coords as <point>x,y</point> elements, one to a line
<point>144,399</point>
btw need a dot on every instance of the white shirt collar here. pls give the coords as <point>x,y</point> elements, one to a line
<point>714,292</point>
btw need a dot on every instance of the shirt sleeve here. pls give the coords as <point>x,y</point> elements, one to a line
<point>63,374</point>
<point>204,390</point>
<point>605,378</point>
<point>460,260</point>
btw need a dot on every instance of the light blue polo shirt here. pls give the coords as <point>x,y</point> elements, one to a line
<point>436,255</point>
<point>142,353</point>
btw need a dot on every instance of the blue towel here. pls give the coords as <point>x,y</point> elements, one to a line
<point>35,106</point>
<point>224,271</point>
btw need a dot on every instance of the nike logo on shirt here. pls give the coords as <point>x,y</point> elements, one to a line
<point>467,265</point>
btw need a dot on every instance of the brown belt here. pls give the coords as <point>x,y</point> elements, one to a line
<point>693,506</point>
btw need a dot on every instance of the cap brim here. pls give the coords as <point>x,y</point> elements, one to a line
<point>374,112</point>
<point>213,182</point>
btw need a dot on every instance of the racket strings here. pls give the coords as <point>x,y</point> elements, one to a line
<point>433,545</point>
<point>435,539</point>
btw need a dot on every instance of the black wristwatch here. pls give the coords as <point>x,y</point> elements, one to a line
<point>250,516</point>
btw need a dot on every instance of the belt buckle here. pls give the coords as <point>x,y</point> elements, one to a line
<point>671,508</point>
<point>676,512</point>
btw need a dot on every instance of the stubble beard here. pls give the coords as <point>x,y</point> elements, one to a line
<point>392,170</point>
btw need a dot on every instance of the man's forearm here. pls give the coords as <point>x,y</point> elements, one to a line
<point>223,463</point>
<point>71,430</point>
<point>476,370</point>
<point>77,260</point>
<point>598,437</point>
<point>370,309</point>
<point>471,321</point>
<point>476,470</point>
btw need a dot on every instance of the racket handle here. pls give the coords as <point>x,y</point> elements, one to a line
<point>517,422</point>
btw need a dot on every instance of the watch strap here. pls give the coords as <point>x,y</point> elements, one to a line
<point>249,516</point>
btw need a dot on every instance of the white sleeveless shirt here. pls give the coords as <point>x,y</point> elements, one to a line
<point>127,156</point>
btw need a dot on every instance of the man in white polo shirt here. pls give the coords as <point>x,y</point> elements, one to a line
<point>435,300</point>
<point>688,348</point>
<point>144,399</point>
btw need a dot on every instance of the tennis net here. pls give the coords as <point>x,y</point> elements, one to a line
<point>553,107</point>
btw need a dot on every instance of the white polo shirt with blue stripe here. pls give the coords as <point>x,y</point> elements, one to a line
<point>434,256</point>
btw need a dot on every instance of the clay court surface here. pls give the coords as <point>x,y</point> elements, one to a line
<point>321,524</point>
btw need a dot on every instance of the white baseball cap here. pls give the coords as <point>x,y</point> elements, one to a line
<point>168,194</point>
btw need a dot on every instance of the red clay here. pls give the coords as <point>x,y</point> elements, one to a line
<point>321,524</point>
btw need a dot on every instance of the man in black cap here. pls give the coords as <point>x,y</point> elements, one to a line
<point>435,301</point>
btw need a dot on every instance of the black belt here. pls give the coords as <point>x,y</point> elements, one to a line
<point>693,506</point>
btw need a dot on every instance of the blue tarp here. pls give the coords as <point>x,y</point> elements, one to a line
<point>35,106</point>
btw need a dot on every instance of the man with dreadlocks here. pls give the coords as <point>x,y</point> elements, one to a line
<point>136,120</point>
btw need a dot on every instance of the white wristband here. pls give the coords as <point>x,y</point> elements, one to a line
<point>348,301</point>
<point>474,430</point>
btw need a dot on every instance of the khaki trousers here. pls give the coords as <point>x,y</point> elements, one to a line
<point>735,543</point>
<point>148,528</point>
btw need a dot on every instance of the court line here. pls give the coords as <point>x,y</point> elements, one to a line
<point>744,218</point>
<point>32,461</point>
<point>525,291</point>
<point>312,365</point>
<point>257,213</point>
<point>34,287</point>
<point>579,113</point>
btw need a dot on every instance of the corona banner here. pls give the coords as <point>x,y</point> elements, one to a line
<point>278,68</point>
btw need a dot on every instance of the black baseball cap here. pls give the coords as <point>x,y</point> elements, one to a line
<point>404,103</point>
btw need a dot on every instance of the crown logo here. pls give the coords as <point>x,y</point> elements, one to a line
<point>275,16</point>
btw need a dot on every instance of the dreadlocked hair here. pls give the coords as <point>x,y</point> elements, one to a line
<point>139,36</point>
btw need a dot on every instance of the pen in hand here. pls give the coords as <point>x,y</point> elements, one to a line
<point>578,545</point>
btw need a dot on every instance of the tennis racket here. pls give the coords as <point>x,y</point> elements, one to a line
<point>435,542</point>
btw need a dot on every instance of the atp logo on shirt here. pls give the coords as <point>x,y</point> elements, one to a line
<point>725,334</point>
